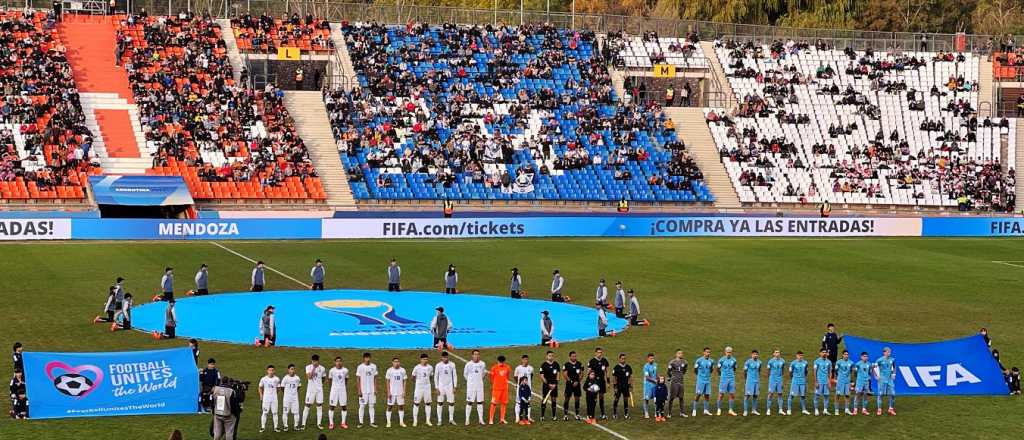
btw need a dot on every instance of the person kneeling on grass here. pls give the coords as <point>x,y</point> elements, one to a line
<point>170,322</point>
<point>634,309</point>
<point>109,308</point>
<point>125,314</point>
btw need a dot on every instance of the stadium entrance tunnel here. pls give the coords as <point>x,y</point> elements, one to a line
<point>372,319</point>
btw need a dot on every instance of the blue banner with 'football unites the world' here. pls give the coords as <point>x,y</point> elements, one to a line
<point>111,384</point>
<point>954,367</point>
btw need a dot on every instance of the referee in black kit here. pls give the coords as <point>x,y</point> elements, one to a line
<point>549,372</point>
<point>830,343</point>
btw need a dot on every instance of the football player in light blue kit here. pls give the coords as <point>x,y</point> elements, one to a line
<point>885,372</point>
<point>822,376</point>
<point>726,380</point>
<point>844,366</point>
<point>650,382</point>
<point>752,379</point>
<point>798,383</point>
<point>776,370</point>
<point>862,387</point>
<point>703,366</point>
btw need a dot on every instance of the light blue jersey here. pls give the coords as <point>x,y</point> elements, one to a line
<point>798,372</point>
<point>886,367</point>
<point>727,374</point>
<point>703,367</point>
<point>752,373</point>
<point>822,370</point>
<point>776,369</point>
<point>843,369</point>
<point>863,370</point>
<point>650,379</point>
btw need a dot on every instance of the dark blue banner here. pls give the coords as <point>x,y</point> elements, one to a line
<point>140,190</point>
<point>111,384</point>
<point>954,367</point>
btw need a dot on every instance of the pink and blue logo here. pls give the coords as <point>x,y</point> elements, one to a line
<point>73,382</point>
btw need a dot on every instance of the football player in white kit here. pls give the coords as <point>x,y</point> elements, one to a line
<point>446,380</point>
<point>524,369</point>
<point>291,383</point>
<point>396,377</point>
<point>314,391</point>
<point>338,375</point>
<point>474,372</point>
<point>421,393</point>
<point>366,372</point>
<point>268,396</point>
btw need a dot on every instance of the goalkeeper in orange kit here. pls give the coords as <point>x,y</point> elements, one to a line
<point>499,388</point>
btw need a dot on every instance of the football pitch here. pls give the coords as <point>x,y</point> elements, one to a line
<point>748,293</point>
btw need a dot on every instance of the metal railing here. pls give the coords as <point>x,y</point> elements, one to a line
<point>402,12</point>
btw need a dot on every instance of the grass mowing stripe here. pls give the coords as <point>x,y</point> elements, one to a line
<point>456,356</point>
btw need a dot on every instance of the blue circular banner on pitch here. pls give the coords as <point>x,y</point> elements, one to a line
<point>361,319</point>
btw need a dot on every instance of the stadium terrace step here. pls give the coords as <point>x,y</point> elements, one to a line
<point>693,131</point>
<point>234,55</point>
<point>311,122</point>
<point>117,132</point>
<point>90,42</point>
<point>348,73</point>
<point>985,87</point>
<point>719,73</point>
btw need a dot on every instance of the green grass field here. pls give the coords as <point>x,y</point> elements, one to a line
<point>748,293</point>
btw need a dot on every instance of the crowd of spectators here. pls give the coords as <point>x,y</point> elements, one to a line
<point>40,107</point>
<point>266,33</point>
<point>194,112</point>
<point>939,156</point>
<point>492,105</point>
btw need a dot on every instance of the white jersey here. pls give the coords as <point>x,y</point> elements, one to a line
<point>339,379</point>
<point>269,385</point>
<point>396,381</point>
<point>474,373</point>
<point>422,373</point>
<point>291,386</point>
<point>445,377</point>
<point>315,375</point>
<point>522,371</point>
<point>366,374</point>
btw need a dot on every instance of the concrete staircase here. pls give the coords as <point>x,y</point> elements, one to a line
<point>310,115</point>
<point>1019,157</point>
<point>691,128</point>
<point>618,81</point>
<point>344,67</point>
<point>234,56</point>
<point>720,81</point>
<point>985,86</point>
<point>92,101</point>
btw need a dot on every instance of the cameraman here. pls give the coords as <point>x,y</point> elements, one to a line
<point>226,400</point>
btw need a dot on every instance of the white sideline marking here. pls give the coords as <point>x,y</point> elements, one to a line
<point>264,265</point>
<point>1014,263</point>
<point>451,353</point>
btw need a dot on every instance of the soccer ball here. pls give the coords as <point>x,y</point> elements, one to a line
<point>72,384</point>
<point>594,388</point>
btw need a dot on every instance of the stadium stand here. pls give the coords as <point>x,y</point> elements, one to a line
<point>227,140</point>
<point>816,123</point>
<point>264,34</point>
<point>45,143</point>
<point>505,113</point>
<point>643,52</point>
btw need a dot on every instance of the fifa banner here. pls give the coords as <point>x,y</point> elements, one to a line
<point>201,229</point>
<point>619,226</point>
<point>140,190</point>
<point>111,384</point>
<point>35,229</point>
<point>958,366</point>
<point>973,227</point>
